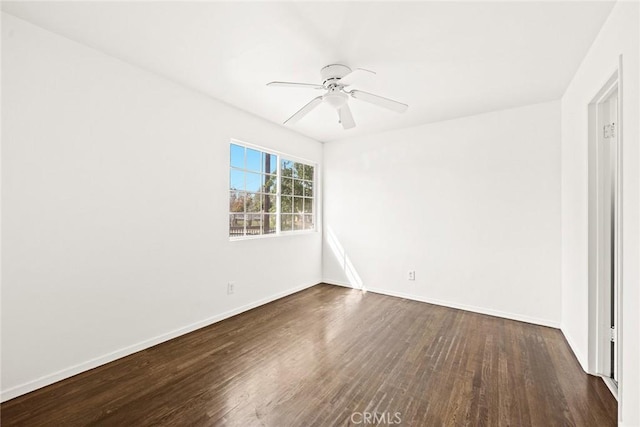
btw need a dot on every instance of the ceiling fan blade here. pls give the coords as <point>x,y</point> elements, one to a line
<point>298,85</point>
<point>346,118</point>
<point>350,78</point>
<point>304,110</point>
<point>379,101</point>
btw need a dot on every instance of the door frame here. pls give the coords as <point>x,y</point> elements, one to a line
<point>600,299</point>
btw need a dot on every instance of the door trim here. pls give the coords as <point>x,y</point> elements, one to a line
<point>599,314</point>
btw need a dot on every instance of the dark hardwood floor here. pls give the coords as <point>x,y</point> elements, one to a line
<point>328,356</point>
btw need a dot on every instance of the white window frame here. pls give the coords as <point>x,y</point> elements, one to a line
<point>280,155</point>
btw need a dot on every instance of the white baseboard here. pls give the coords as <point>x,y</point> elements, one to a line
<point>582,360</point>
<point>613,387</point>
<point>474,309</point>
<point>337,283</point>
<point>126,351</point>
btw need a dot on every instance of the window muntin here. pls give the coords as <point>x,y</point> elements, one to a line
<point>255,206</point>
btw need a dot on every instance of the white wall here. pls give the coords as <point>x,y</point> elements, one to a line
<point>472,205</point>
<point>618,36</point>
<point>115,202</point>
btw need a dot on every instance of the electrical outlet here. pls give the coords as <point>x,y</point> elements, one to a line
<point>231,287</point>
<point>411,275</point>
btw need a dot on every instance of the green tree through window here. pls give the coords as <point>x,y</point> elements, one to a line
<point>297,203</point>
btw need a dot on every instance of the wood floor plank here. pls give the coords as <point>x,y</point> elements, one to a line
<point>320,356</point>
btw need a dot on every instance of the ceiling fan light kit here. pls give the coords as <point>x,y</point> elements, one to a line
<point>335,78</point>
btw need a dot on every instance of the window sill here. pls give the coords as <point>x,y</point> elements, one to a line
<point>274,236</point>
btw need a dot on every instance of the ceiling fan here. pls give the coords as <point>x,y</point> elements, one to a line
<point>335,79</point>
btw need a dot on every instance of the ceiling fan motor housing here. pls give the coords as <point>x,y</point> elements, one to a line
<point>333,73</point>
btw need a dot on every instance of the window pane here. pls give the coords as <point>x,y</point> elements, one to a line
<point>308,188</point>
<point>236,225</point>
<point>297,205</point>
<point>236,180</point>
<point>254,224</point>
<point>286,204</point>
<point>269,203</point>
<point>308,222</point>
<point>270,163</point>
<point>287,168</point>
<point>270,184</point>
<point>254,160</point>
<point>236,201</point>
<point>268,224</point>
<point>254,202</point>
<point>286,186</point>
<point>298,170</point>
<point>308,172</point>
<point>253,182</point>
<point>308,205</point>
<point>297,222</point>
<point>237,156</point>
<point>297,187</point>
<point>286,223</point>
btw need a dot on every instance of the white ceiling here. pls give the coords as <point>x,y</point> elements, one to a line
<point>445,60</point>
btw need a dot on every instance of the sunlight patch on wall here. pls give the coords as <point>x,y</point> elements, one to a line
<point>345,263</point>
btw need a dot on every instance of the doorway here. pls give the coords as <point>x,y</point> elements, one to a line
<point>605,229</point>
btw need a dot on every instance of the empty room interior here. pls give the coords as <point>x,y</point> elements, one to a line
<point>320,213</point>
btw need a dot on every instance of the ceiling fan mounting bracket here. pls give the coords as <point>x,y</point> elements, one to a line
<point>331,74</point>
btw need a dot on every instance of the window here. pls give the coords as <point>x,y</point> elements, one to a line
<point>268,194</point>
<point>297,203</point>
<point>252,192</point>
